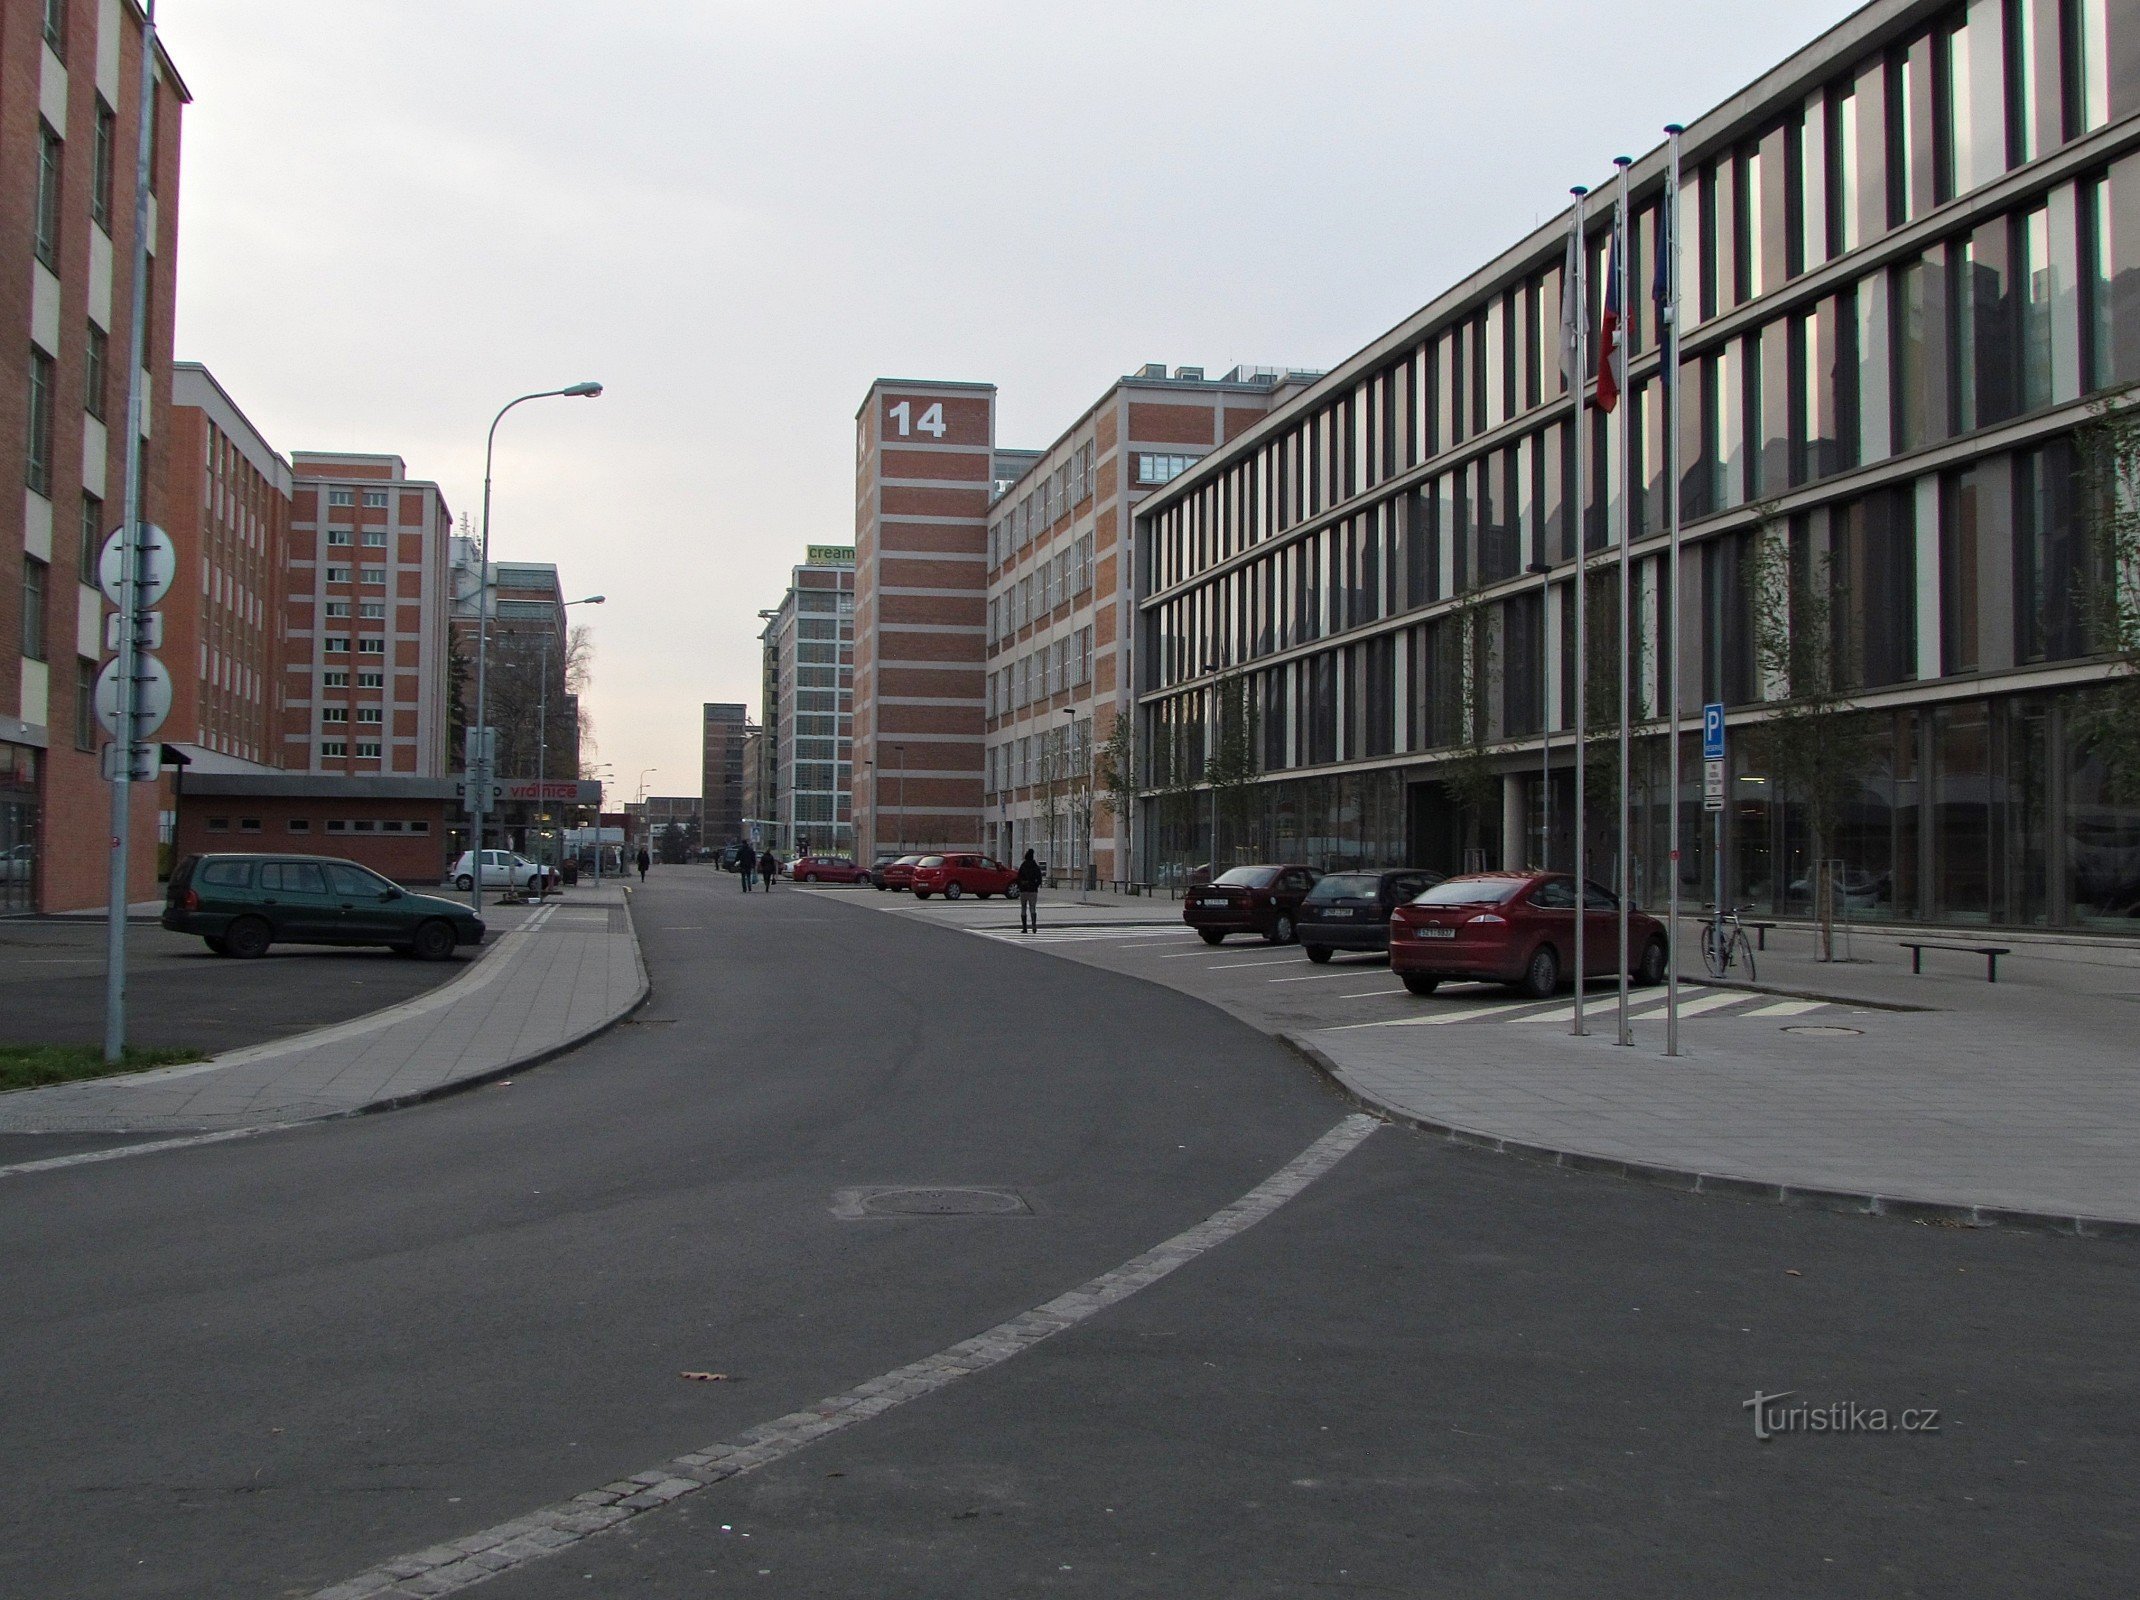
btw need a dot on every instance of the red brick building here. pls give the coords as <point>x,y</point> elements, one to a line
<point>70,115</point>
<point>401,827</point>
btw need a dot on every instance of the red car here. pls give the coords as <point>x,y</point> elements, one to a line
<point>955,875</point>
<point>896,874</point>
<point>1517,928</point>
<point>1263,900</point>
<point>825,869</point>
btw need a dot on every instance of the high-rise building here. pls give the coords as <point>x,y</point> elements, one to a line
<point>365,674</point>
<point>1061,600</point>
<point>1909,258</point>
<point>229,519</point>
<point>809,664</point>
<point>72,76</point>
<point>724,724</point>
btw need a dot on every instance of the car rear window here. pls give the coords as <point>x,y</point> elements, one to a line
<point>1247,878</point>
<point>227,874</point>
<point>1347,886</point>
<point>1472,892</point>
<point>930,861</point>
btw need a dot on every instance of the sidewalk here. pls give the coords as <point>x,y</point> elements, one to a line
<point>567,971</point>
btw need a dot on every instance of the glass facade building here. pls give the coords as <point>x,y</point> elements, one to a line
<point>1908,265</point>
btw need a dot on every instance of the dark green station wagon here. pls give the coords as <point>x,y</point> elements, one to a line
<point>240,905</point>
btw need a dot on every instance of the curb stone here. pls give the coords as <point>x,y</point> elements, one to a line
<point>1688,1180</point>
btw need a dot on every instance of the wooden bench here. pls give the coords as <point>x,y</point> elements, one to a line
<point>1990,953</point>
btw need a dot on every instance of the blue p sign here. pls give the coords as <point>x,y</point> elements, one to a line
<point>1713,732</point>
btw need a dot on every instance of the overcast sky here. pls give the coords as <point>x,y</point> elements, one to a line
<point>396,215</point>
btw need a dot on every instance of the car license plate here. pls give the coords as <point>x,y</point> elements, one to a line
<point>1209,900</point>
<point>1433,932</point>
<point>1337,913</point>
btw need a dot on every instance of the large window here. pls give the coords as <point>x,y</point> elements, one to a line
<point>38,467</point>
<point>104,156</point>
<point>34,582</point>
<point>96,355</point>
<point>85,703</point>
<point>2049,565</point>
<point>49,149</point>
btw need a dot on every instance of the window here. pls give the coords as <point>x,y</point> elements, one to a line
<point>248,824</point>
<point>371,645</point>
<point>293,877</point>
<point>371,608</point>
<point>368,748</point>
<point>375,538</point>
<point>1152,469</point>
<point>2050,560</point>
<point>96,356</point>
<point>337,574</point>
<point>33,608</point>
<point>371,680</point>
<point>341,497</point>
<point>103,160</point>
<point>85,703</point>
<point>220,825</point>
<point>333,747</point>
<point>338,608</point>
<point>335,645</point>
<point>334,714</point>
<point>334,680</point>
<point>299,825</point>
<point>56,27</point>
<point>370,714</point>
<point>38,472</point>
<point>92,538</point>
<point>374,574</point>
<point>48,172</point>
<point>338,536</point>
<point>375,499</point>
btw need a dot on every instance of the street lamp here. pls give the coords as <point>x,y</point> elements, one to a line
<point>1543,571</point>
<point>479,772</point>
<point>542,727</point>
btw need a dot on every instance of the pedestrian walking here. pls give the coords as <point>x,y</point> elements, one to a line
<point>645,861</point>
<point>746,864</point>
<point>768,869</point>
<point>1029,879</point>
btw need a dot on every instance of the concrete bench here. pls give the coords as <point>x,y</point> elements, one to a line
<point>1990,953</point>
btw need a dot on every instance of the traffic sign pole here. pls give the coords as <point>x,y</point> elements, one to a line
<point>1714,778</point>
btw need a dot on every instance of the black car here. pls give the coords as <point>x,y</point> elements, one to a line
<point>1351,910</point>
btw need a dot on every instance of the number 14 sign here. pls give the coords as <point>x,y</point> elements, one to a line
<point>931,421</point>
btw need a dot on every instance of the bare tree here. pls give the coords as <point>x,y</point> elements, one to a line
<point>1117,777</point>
<point>1465,666</point>
<point>2106,719</point>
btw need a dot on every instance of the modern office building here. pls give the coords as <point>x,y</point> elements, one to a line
<point>724,725</point>
<point>1061,602</point>
<point>366,610</point>
<point>70,116</point>
<point>926,471</point>
<point>229,518</point>
<point>1908,256</point>
<point>807,746</point>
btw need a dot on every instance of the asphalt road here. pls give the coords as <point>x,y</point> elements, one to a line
<point>255,1369</point>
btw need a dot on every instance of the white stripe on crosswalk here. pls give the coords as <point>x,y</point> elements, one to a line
<point>1786,1008</point>
<point>1469,1014</point>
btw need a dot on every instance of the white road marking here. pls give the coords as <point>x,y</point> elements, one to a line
<point>86,1157</point>
<point>1310,977</point>
<point>1567,1012</point>
<point>1371,994</point>
<point>1236,966</point>
<point>1694,1008</point>
<point>1785,1008</point>
<point>448,1568</point>
<point>1469,1014</point>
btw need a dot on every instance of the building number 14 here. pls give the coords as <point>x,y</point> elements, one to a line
<point>930,421</point>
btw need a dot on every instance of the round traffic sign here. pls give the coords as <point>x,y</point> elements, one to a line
<point>159,565</point>
<point>152,697</point>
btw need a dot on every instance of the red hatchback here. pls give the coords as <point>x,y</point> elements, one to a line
<point>1519,928</point>
<point>955,875</point>
<point>825,869</point>
<point>897,874</point>
<point>1263,900</point>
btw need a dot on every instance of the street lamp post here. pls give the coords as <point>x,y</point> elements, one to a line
<point>479,781</point>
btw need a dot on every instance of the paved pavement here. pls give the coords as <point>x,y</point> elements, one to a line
<point>562,973</point>
<point>403,1344</point>
<point>2020,1096</point>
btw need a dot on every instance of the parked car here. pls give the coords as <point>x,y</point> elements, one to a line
<point>1263,900</point>
<point>501,869</point>
<point>897,873</point>
<point>954,875</point>
<point>825,869</point>
<point>1517,928</point>
<point>18,863</point>
<point>1351,910</point>
<point>240,905</point>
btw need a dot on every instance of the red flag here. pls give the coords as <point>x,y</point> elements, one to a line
<point>1608,394</point>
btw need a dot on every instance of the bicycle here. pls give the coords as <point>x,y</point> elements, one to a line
<point>1724,943</point>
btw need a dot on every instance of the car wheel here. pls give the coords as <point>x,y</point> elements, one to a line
<point>216,946</point>
<point>1650,972</point>
<point>1212,935</point>
<point>434,940</point>
<point>248,937</point>
<point>953,892</point>
<point>1317,953</point>
<point>1541,975</point>
<point>1281,930</point>
<point>464,883</point>
<point>1421,982</point>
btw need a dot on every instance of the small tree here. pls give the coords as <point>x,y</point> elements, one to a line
<point>1231,770</point>
<point>1465,668</point>
<point>1816,743</point>
<point>2106,719</point>
<point>1117,778</point>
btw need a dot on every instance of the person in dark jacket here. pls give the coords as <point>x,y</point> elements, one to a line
<point>768,869</point>
<point>1029,881</point>
<point>746,863</point>
<point>645,861</point>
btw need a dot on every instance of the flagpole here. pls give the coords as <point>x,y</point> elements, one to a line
<point>1580,254</point>
<point>1627,607</point>
<point>1668,246</point>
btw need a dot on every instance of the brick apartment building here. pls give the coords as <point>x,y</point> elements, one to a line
<point>229,517</point>
<point>926,468</point>
<point>724,725</point>
<point>365,676</point>
<point>70,112</point>
<point>1061,600</point>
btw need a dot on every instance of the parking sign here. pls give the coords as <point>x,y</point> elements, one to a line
<point>1713,732</point>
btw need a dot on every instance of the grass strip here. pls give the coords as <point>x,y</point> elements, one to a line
<point>31,1066</point>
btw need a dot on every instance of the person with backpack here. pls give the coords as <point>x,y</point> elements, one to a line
<point>1029,881</point>
<point>768,869</point>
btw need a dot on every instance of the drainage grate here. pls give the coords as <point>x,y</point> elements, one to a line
<point>1823,1030</point>
<point>932,1200</point>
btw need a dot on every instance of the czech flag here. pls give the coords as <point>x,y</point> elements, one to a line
<point>1608,394</point>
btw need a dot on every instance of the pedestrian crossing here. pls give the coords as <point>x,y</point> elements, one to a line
<point>1695,1000</point>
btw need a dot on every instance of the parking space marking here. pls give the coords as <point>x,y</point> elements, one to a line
<point>1370,994</point>
<point>1235,966</point>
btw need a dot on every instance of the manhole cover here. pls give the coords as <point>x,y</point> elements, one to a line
<point>1823,1030</point>
<point>927,1201</point>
